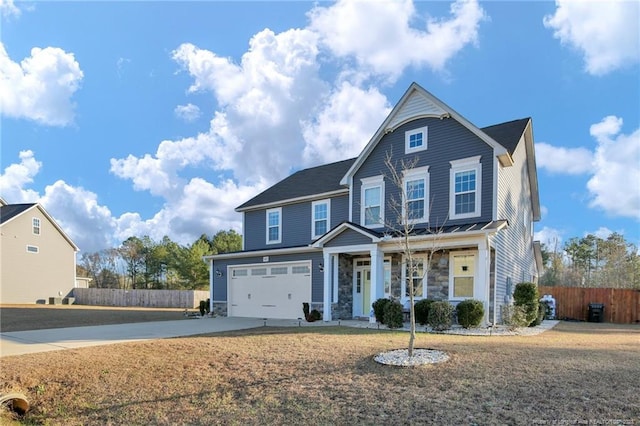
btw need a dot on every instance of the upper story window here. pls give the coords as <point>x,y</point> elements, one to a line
<point>416,191</point>
<point>466,183</point>
<point>462,275</point>
<point>321,218</point>
<point>372,202</point>
<point>35,224</point>
<point>415,140</point>
<point>32,249</point>
<point>274,226</point>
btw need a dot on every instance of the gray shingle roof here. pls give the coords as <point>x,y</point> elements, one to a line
<point>303,183</point>
<point>326,178</point>
<point>10,211</point>
<point>507,134</point>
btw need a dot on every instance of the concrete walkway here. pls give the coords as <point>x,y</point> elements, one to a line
<point>26,342</point>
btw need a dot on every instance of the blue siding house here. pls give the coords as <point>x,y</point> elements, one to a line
<point>331,235</point>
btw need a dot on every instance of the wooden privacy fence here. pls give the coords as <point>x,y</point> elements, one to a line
<point>147,298</point>
<point>621,305</point>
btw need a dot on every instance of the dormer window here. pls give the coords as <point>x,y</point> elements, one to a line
<point>35,223</point>
<point>415,140</point>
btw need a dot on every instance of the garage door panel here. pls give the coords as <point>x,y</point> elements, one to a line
<point>269,290</point>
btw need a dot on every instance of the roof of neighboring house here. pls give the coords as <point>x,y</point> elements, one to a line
<point>302,184</point>
<point>9,211</point>
<point>507,134</point>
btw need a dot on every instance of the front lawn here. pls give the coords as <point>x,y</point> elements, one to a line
<point>326,375</point>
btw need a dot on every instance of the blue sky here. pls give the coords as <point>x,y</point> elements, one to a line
<point>159,118</point>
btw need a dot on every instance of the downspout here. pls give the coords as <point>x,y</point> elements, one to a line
<point>211,286</point>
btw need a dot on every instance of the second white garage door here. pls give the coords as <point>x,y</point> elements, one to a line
<point>269,290</point>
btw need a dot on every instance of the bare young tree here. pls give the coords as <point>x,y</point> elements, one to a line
<point>404,212</point>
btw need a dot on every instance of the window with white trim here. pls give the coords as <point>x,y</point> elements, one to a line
<point>387,277</point>
<point>32,249</point>
<point>274,226</point>
<point>465,188</point>
<point>35,223</point>
<point>415,140</point>
<point>372,202</point>
<point>414,274</point>
<point>320,218</point>
<point>462,270</point>
<point>416,191</point>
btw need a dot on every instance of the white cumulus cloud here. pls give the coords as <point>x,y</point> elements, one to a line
<point>550,237</point>
<point>382,38</point>
<point>614,185</point>
<point>606,32</point>
<point>556,159</point>
<point>188,112</point>
<point>9,9</point>
<point>40,87</point>
<point>18,175</point>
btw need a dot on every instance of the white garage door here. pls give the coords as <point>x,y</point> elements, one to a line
<point>269,290</point>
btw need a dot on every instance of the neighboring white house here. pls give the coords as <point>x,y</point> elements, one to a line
<point>37,258</point>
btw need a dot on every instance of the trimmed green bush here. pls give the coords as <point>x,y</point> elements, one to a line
<point>526,294</point>
<point>470,313</point>
<point>393,314</point>
<point>422,311</point>
<point>514,316</point>
<point>542,310</point>
<point>440,315</point>
<point>378,309</point>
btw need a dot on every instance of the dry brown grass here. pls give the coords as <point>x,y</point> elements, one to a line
<point>575,372</point>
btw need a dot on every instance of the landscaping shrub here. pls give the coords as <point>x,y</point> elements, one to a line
<point>315,315</point>
<point>393,314</point>
<point>470,313</point>
<point>526,294</point>
<point>440,315</point>
<point>378,309</point>
<point>421,308</point>
<point>514,316</point>
<point>542,311</point>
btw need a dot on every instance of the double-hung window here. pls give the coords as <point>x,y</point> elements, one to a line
<point>416,195</point>
<point>35,224</point>
<point>465,188</point>
<point>372,202</point>
<point>462,275</point>
<point>321,217</point>
<point>414,275</point>
<point>415,140</point>
<point>274,226</point>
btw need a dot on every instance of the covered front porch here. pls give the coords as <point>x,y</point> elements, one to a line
<point>456,267</point>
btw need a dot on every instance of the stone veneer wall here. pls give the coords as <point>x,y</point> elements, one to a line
<point>344,308</point>
<point>438,279</point>
<point>220,309</point>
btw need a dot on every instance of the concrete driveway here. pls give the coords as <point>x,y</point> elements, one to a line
<point>26,342</point>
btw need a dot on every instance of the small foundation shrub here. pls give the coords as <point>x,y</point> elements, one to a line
<point>393,314</point>
<point>470,313</point>
<point>526,294</point>
<point>378,309</point>
<point>421,308</point>
<point>440,315</point>
<point>514,316</point>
